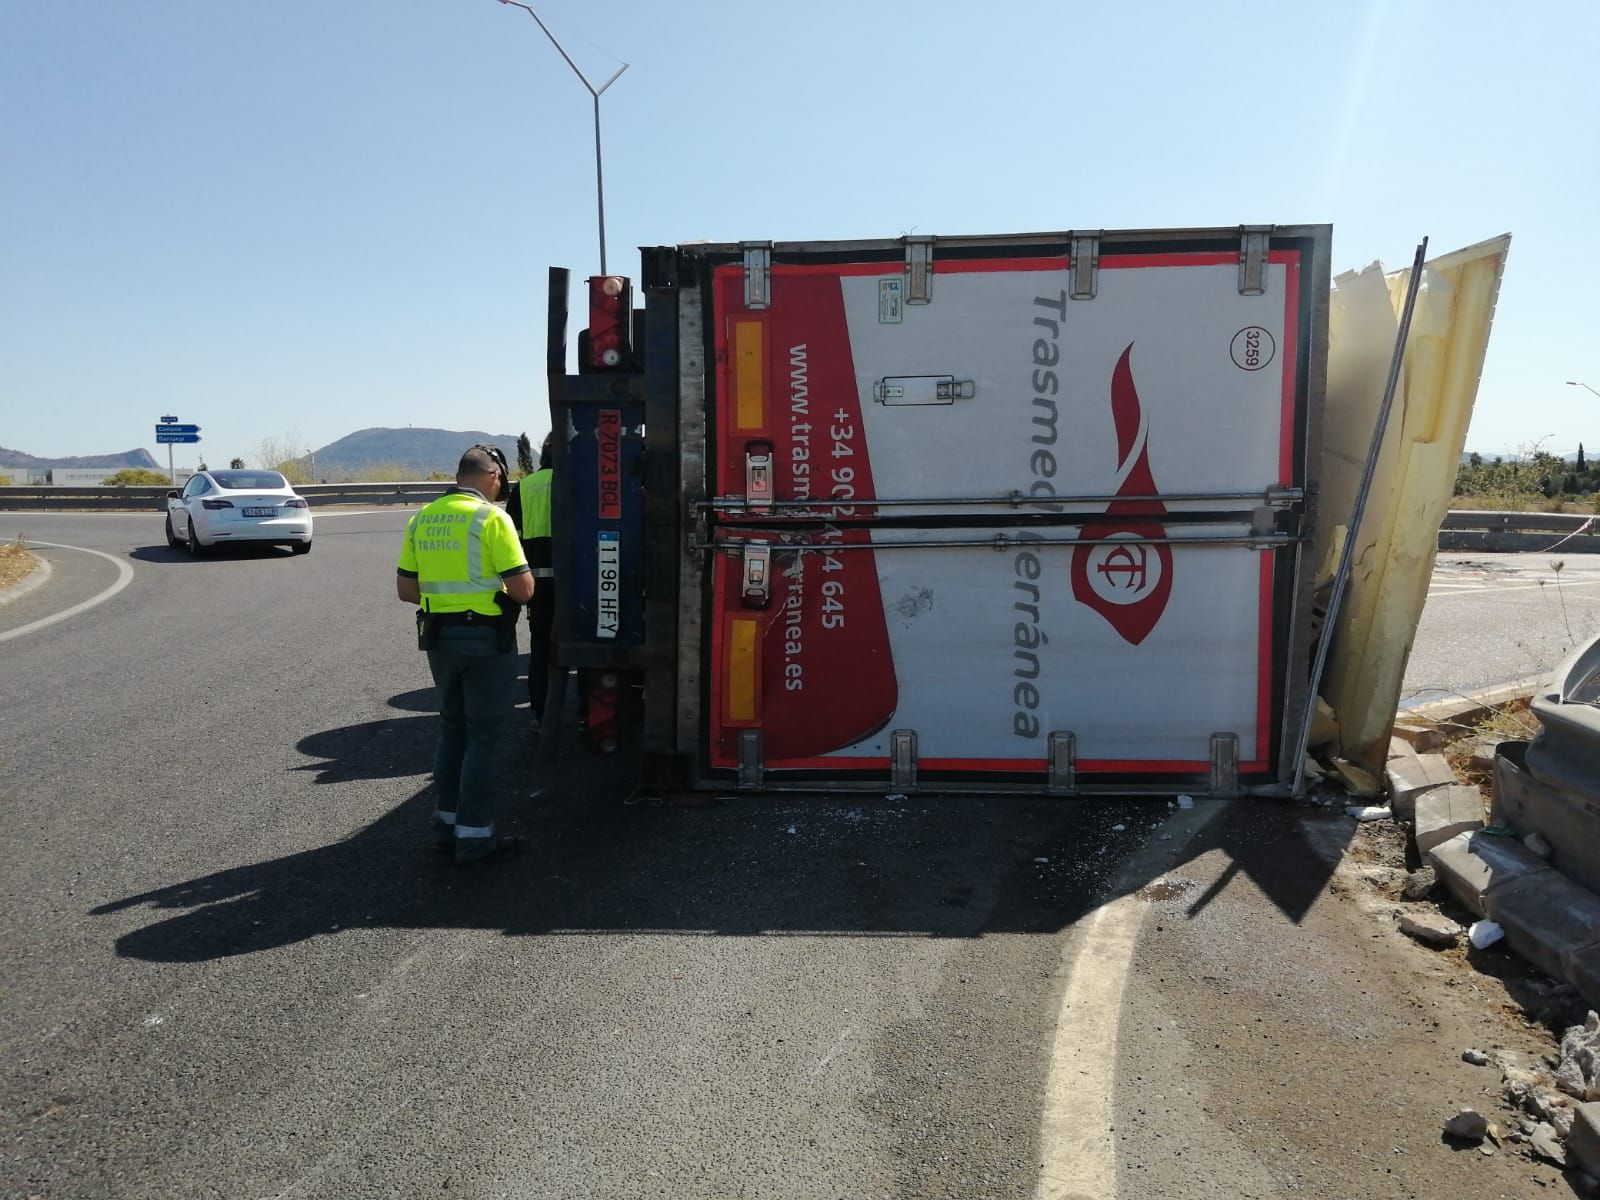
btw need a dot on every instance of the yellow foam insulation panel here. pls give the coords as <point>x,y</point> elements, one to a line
<point>1416,471</point>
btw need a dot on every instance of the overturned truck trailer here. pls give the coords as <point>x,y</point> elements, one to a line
<point>1023,513</point>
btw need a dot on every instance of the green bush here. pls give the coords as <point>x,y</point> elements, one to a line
<point>137,477</point>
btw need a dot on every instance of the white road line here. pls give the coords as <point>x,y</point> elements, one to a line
<point>1077,1149</point>
<point>124,577</point>
<point>1517,587</point>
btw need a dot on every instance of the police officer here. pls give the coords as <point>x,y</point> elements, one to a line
<point>462,563</point>
<point>530,513</point>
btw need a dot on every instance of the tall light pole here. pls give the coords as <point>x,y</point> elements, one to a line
<point>1570,382</point>
<point>599,182</point>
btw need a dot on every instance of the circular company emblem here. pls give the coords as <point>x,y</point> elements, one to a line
<point>1123,573</point>
<point>1252,348</point>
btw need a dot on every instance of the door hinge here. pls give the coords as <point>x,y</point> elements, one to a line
<point>903,760</point>
<point>1254,243</point>
<point>757,274</point>
<point>1063,779</point>
<point>1224,764</point>
<point>752,767</point>
<point>919,268</point>
<point>1085,265</point>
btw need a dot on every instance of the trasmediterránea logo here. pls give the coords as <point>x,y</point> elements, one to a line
<point>1116,570</point>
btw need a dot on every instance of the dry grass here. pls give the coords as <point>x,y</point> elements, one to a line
<point>1470,751</point>
<point>16,561</point>
<point>1506,503</point>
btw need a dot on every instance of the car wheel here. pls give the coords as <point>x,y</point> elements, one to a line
<point>196,550</point>
<point>301,547</point>
<point>173,539</point>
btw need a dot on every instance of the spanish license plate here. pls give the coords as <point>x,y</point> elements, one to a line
<point>608,592</point>
<point>260,512</point>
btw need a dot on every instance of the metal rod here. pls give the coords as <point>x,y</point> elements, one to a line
<point>1270,541</point>
<point>1347,555</point>
<point>798,508</point>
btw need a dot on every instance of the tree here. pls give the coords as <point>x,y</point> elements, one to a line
<point>281,456</point>
<point>524,453</point>
<point>1582,466</point>
<point>236,465</point>
<point>136,477</point>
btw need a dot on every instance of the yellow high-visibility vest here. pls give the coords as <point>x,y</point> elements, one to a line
<point>535,493</point>
<point>458,549</point>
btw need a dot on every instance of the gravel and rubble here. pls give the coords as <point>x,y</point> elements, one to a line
<point>1546,920</point>
<point>1549,1062</point>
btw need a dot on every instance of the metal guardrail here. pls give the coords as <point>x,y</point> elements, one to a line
<point>1520,532</point>
<point>1521,522</point>
<point>153,499</point>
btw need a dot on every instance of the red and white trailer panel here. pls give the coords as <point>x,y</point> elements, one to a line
<point>1006,513</point>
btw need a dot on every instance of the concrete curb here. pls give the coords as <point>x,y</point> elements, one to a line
<point>1471,706</point>
<point>1412,775</point>
<point>31,582</point>
<point>1548,919</point>
<point>1584,1141</point>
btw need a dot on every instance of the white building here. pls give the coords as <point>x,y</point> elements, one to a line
<point>83,476</point>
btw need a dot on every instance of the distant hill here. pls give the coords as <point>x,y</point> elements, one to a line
<point>128,458</point>
<point>417,452</point>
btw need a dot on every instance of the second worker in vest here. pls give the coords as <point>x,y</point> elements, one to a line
<point>530,514</point>
<point>462,563</point>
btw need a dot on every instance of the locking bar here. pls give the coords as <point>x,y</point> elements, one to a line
<point>757,574</point>
<point>919,268</point>
<point>1254,243</point>
<point>1275,495</point>
<point>1085,277</point>
<point>757,274</point>
<point>1063,777</point>
<point>758,477</point>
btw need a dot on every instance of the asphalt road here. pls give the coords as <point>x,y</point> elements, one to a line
<point>1493,618</point>
<point>234,969</point>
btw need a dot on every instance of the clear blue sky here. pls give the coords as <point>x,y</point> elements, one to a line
<point>296,219</point>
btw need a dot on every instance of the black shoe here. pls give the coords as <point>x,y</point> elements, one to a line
<point>506,846</point>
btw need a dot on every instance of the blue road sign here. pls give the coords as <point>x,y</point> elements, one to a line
<point>177,429</point>
<point>168,420</point>
<point>164,439</point>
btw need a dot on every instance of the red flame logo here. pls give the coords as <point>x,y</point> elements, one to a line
<point>1126,582</point>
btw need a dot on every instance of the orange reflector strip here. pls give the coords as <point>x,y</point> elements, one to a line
<point>749,375</point>
<point>741,663</point>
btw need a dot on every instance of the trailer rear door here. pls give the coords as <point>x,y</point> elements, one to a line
<point>1007,524</point>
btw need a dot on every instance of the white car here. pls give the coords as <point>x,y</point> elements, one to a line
<point>216,507</point>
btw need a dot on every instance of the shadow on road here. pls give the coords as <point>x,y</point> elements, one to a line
<point>927,866</point>
<point>162,555</point>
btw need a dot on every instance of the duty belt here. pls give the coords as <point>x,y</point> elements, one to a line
<point>469,617</point>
